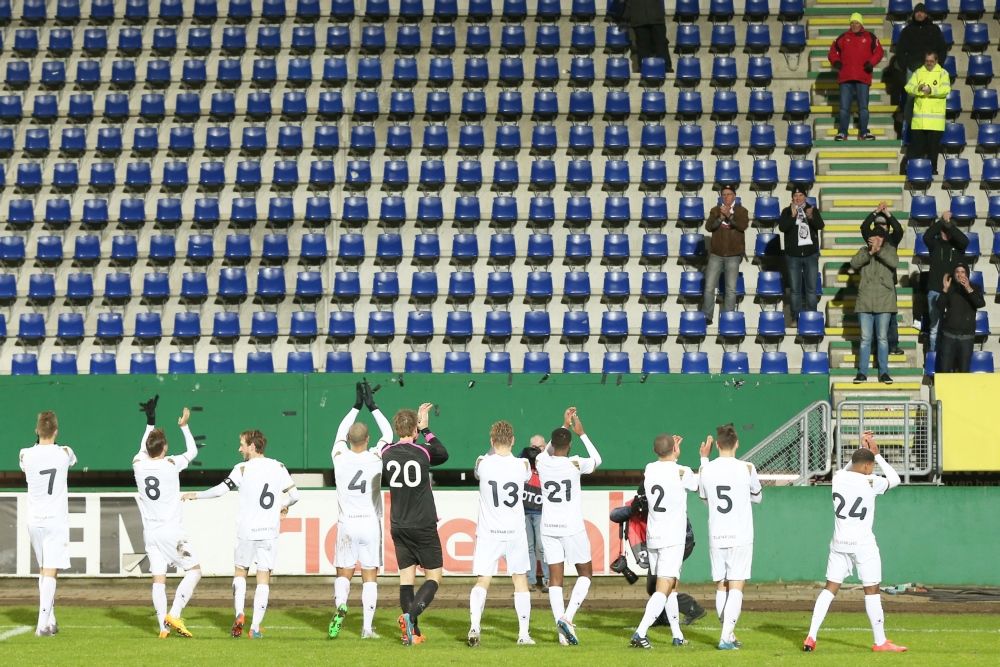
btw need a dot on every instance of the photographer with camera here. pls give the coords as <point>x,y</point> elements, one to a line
<point>532,502</point>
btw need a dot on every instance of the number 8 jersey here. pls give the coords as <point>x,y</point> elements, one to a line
<point>261,482</point>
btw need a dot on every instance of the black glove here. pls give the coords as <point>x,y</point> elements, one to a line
<point>359,396</point>
<point>837,65</point>
<point>869,68</point>
<point>149,407</point>
<point>369,396</point>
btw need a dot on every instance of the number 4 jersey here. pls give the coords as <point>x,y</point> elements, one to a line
<point>261,482</point>
<point>501,485</point>
<point>854,509</point>
<point>729,485</point>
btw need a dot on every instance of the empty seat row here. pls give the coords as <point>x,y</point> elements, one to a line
<point>924,209</point>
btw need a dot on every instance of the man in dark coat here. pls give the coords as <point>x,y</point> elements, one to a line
<point>648,20</point>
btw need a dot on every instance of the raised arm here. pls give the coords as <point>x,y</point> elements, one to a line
<point>436,448</point>
<point>592,452</point>
<point>891,476</point>
<point>149,408</point>
<point>190,446</point>
<point>380,419</point>
<point>340,440</point>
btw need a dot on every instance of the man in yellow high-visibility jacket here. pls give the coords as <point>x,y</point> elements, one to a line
<point>929,86</point>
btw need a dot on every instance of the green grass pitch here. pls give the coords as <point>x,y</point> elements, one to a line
<point>297,636</point>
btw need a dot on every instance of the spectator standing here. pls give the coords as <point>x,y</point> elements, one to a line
<point>533,517</point>
<point>957,304</point>
<point>946,244</point>
<point>929,87</point>
<point>800,223</point>
<point>854,55</point>
<point>876,303</point>
<point>648,20</point>
<point>883,218</point>
<point>918,37</point>
<point>727,222</point>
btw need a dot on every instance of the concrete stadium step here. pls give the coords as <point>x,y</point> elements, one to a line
<point>874,391</point>
<point>849,161</point>
<point>846,236</point>
<point>840,311</point>
<point>859,198</point>
<point>842,355</point>
<point>844,247</point>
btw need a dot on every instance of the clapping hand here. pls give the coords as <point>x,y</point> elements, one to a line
<point>868,442</point>
<point>963,280</point>
<point>947,282</point>
<point>182,421</point>
<point>706,447</point>
<point>423,415</point>
<point>874,245</point>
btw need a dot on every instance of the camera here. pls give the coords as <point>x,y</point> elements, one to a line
<point>620,565</point>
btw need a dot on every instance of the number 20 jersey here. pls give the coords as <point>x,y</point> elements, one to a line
<point>261,482</point>
<point>562,498</point>
<point>501,487</point>
<point>854,509</point>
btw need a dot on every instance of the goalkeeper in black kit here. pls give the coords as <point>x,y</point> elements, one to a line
<point>406,468</point>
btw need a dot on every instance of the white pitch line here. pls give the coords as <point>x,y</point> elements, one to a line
<point>14,632</point>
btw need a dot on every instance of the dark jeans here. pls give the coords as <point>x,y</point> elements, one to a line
<point>802,274</point>
<point>953,354</point>
<point>849,92</point>
<point>730,266</point>
<point>651,42</point>
<point>924,144</point>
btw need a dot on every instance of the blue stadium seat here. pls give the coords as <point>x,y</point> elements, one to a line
<point>63,363</point>
<point>816,363</point>
<point>260,361</point>
<point>110,328</point>
<point>341,327</point>
<point>957,174</point>
<point>774,363</point>
<point>802,173</point>
<point>381,325</point>
<point>691,211</point>
<point>771,324</point>
<point>694,363</point>
<point>24,363</point>
<point>221,362</point>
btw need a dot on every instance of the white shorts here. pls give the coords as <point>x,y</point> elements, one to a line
<point>731,563</point>
<point>867,561</point>
<point>167,547</point>
<point>666,562</point>
<point>359,541</point>
<point>50,542</point>
<point>489,550</point>
<point>573,549</point>
<point>262,552</point>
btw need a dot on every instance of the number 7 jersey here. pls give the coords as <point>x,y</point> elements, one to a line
<point>854,509</point>
<point>261,482</point>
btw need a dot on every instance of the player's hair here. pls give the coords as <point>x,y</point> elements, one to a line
<point>561,437</point>
<point>862,456</point>
<point>156,442</point>
<point>255,439</point>
<point>663,444</point>
<point>725,435</point>
<point>405,423</point>
<point>502,433</point>
<point>47,424</point>
<point>357,434</point>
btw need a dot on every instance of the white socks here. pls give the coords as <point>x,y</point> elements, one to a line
<point>823,602</point>
<point>341,589</point>
<point>46,600</point>
<point>185,590</point>
<point>369,598</point>
<point>556,602</point>
<point>239,594</point>
<point>160,603</point>
<point>477,602</point>
<point>873,605</point>
<point>720,603</point>
<point>731,614</point>
<point>576,598</point>
<point>653,608</point>
<point>260,595</point>
<point>522,605</point>
<point>674,616</point>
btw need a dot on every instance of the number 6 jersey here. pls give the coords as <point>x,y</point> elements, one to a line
<point>261,482</point>
<point>501,485</point>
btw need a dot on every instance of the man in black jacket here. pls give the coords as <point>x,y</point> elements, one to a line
<point>648,20</point>
<point>918,37</point>
<point>882,218</point>
<point>800,223</point>
<point>946,244</point>
<point>957,304</point>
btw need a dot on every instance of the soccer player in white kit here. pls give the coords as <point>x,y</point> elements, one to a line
<point>500,531</point>
<point>564,536</point>
<point>728,486</point>
<point>666,485</point>
<point>853,546</point>
<point>157,479</point>
<point>358,472</point>
<point>260,480</point>
<point>45,466</point>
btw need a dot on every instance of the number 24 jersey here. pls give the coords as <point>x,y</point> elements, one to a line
<point>854,509</point>
<point>261,482</point>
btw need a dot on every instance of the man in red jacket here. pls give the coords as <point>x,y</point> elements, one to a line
<point>854,55</point>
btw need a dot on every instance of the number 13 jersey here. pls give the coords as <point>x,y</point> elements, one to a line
<point>562,498</point>
<point>501,486</point>
<point>854,509</point>
<point>261,482</point>
<point>728,485</point>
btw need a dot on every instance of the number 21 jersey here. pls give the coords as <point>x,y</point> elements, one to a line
<point>501,486</point>
<point>562,497</point>
<point>261,482</point>
<point>854,509</point>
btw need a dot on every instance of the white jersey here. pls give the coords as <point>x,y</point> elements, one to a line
<point>854,509</point>
<point>501,487</point>
<point>261,482</point>
<point>45,468</point>
<point>729,485</point>
<point>666,485</point>
<point>158,483</point>
<point>358,477</point>
<point>562,497</point>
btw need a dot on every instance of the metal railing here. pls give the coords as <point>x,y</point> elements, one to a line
<point>904,430</point>
<point>798,450</point>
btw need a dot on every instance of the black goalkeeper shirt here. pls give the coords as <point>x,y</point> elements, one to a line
<point>406,472</point>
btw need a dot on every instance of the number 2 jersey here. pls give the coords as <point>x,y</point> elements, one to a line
<point>158,483</point>
<point>501,487</point>
<point>666,485</point>
<point>562,496</point>
<point>406,470</point>
<point>261,482</point>
<point>45,468</point>
<point>729,485</point>
<point>854,506</point>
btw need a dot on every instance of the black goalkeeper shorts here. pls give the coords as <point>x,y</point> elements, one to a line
<point>417,546</point>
